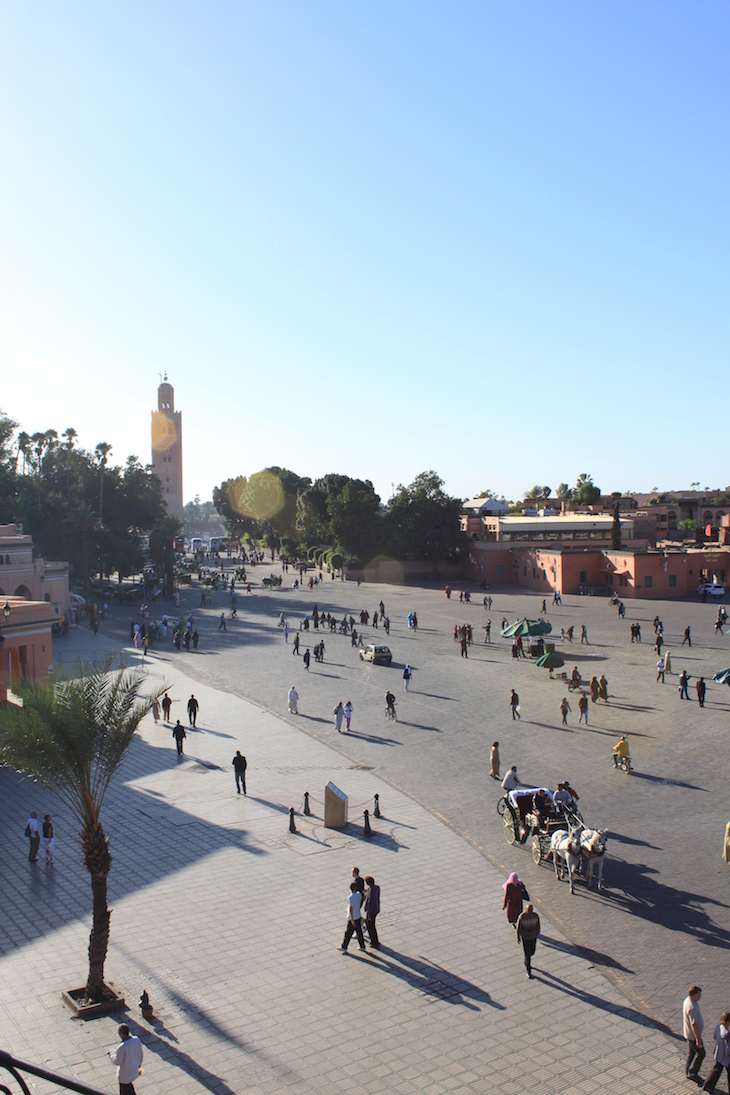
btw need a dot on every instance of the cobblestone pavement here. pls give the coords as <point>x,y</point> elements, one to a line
<point>232,924</point>
<point>663,920</point>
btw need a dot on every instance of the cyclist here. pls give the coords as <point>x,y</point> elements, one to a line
<point>621,752</point>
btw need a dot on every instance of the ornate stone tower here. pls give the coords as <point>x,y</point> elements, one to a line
<point>167,448</point>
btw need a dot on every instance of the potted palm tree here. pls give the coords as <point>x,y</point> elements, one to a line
<point>71,735</point>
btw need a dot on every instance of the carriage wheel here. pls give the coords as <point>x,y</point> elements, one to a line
<point>536,850</point>
<point>509,829</point>
<point>502,806</point>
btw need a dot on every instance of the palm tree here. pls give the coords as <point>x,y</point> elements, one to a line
<point>101,452</point>
<point>162,544</point>
<point>71,736</point>
<point>70,435</point>
<point>23,449</point>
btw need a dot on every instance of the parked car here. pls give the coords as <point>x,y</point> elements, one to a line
<point>712,589</point>
<point>377,654</point>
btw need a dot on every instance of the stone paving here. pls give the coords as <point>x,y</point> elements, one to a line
<point>232,923</point>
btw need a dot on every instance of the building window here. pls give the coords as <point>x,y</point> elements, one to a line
<point>583,577</point>
<point>672,581</point>
<point>648,581</point>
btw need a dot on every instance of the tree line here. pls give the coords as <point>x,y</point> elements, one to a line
<point>78,506</point>
<point>294,514</point>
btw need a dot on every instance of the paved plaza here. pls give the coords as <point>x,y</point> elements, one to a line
<point>232,923</point>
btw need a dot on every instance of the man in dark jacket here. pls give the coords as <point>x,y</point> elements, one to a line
<point>239,767</point>
<point>371,908</point>
<point>528,929</point>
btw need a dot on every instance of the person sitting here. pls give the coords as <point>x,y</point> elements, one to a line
<point>620,751</point>
<point>562,795</point>
<point>542,808</point>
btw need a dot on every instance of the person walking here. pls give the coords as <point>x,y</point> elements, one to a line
<point>193,707</point>
<point>692,1026</point>
<point>222,623</point>
<point>48,838</point>
<point>528,930</point>
<point>514,702</point>
<point>687,638</point>
<point>594,689</point>
<point>701,689</point>
<point>660,667</point>
<point>371,908</point>
<point>353,918</point>
<point>33,832</point>
<point>339,713</point>
<point>348,714</point>
<point>156,711</point>
<point>166,705</point>
<point>583,639</point>
<point>488,631</point>
<point>407,674</point>
<point>683,682</point>
<point>564,709</point>
<point>464,644</point>
<point>128,1057</point>
<point>178,733</point>
<point>292,700</point>
<point>583,708</point>
<point>515,892</point>
<point>239,767</point>
<point>603,688</point>
<point>295,648</point>
<point>494,760</point>
<point>307,658</point>
<point>286,633</point>
<point>722,1053</point>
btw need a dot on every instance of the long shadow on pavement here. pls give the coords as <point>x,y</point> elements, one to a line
<point>598,958</point>
<point>431,979</point>
<point>554,982</point>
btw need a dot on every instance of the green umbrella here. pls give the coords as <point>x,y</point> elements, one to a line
<point>526,627</point>
<point>551,660</point>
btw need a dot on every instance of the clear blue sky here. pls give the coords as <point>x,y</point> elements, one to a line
<point>374,238</point>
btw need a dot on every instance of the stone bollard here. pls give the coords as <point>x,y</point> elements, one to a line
<point>367,831</point>
<point>376,811</point>
<point>292,826</point>
<point>307,811</point>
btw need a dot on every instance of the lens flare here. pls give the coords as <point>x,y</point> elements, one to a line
<point>164,434</point>
<point>261,497</point>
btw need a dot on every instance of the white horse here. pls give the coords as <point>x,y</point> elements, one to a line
<point>592,849</point>
<point>573,849</point>
<point>566,851</point>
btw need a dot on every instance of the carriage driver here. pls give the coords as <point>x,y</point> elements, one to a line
<point>620,750</point>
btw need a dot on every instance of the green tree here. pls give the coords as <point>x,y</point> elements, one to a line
<point>71,736</point>
<point>354,518</point>
<point>616,529</point>
<point>423,521</point>
<point>162,547</point>
<point>101,452</point>
<point>564,492</point>
<point>585,492</point>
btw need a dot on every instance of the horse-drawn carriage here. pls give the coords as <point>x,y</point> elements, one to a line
<point>559,835</point>
<point>272,582</point>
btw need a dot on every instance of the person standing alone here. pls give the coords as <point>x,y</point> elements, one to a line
<point>178,733</point>
<point>48,838</point>
<point>514,702</point>
<point>128,1058</point>
<point>692,1026</point>
<point>528,929</point>
<point>239,767</point>
<point>193,706</point>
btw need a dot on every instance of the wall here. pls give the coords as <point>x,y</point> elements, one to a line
<point>27,649</point>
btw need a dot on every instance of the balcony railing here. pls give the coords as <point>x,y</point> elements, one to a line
<point>14,1066</point>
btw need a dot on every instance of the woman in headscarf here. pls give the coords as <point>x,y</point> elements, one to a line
<point>515,893</point>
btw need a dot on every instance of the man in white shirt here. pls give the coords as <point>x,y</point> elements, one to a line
<point>692,1027</point>
<point>33,831</point>
<point>128,1058</point>
<point>353,918</point>
<point>511,781</point>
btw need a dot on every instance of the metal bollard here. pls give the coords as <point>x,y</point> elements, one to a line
<point>307,811</point>
<point>367,831</point>
<point>292,826</point>
<point>376,811</point>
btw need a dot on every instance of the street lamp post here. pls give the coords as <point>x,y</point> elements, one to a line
<point>6,617</point>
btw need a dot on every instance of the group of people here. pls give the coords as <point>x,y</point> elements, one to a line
<point>363,905</point>
<point>33,831</point>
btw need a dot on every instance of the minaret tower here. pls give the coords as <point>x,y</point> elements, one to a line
<point>167,448</point>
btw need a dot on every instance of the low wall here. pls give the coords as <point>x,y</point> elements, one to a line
<point>406,572</point>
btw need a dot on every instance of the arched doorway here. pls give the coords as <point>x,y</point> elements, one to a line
<point>24,592</point>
